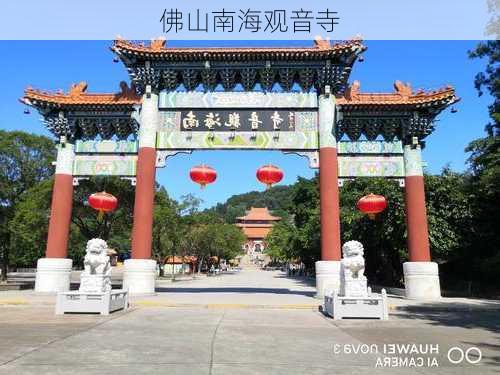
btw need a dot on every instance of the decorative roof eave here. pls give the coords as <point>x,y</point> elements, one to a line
<point>256,233</point>
<point>78,99</point>
<point>259,214</point>
<point>252,225</point>
<point>164,68</point>
<point>80,115</point>
<point>402,97</point>
<point>403,114</point>
<point>157,50</point>
<point>248,221</point>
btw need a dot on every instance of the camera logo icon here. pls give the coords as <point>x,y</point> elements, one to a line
<point>471,355</point>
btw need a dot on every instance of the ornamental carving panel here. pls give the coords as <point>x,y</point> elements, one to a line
<point>238,140</point>
<point>237,100</point>
<point>95,147</point>
<point>370,147</point>
<point>105,165</point>
<point>371,166</point>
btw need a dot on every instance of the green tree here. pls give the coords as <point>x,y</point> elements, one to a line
<point>25,160</point>
<point>206,239</point>
<point>279,242</point>
<point>189,204</point>
<point>229,240</point>
<point>168,227</point>
<point>449,214</point>
<point>196,241</point>
<point>306,244</point>
<point>484,163</point>
<point>29,226</point>
<point>384,238</point>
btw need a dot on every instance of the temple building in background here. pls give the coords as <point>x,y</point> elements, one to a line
<point>256,225</point>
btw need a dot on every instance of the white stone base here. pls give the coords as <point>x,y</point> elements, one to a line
<point>422,280</point>
<point>372,306</point>
<point>97,283</point>
<point>82,302</point>
<point>327,277</point>
<point>139,276</point>
<point>353,287</point>
<point>53,275</point>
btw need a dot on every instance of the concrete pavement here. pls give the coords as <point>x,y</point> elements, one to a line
<point>253,322</point>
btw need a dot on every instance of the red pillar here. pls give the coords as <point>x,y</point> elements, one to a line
<point>60,216</point>
<point>416,220</point>
<point>416,214</point>
<point>328,181</point>
<point>142,230</point>
<point>144,204</point>
<point>329,206</point>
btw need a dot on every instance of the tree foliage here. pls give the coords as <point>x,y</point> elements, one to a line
<point>25,160</point>
<point>279,245</point>
<point>384,239</point>
<point>484,162</point>
<point>29,226</point>
<point>178,227</point>
<point>207,235</point>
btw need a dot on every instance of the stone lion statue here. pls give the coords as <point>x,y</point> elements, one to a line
<point>96,276</point>
<point>96,261</point>
<point>353,261</point>
<point>352,279</point>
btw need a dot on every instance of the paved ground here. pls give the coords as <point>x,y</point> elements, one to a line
<point>253,322</point>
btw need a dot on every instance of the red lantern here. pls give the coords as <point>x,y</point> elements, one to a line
<point>103,202</point>
<point>269,175</point>
<point>372,204</point>
<point>203,175</point>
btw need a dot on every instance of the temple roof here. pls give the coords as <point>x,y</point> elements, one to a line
<point>323,65</point>
<point>402,95</point>
<point>158,49</point>
<point>258,213</point>
<point>77,96</point>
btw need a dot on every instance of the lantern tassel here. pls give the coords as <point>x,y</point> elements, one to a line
<point>372,216</point>
<point>100,216</point>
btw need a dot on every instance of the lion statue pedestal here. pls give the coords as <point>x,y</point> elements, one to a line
<point>355,299</point>
<point>95,294</point>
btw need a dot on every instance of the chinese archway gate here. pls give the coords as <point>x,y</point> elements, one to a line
<point>296,100</point>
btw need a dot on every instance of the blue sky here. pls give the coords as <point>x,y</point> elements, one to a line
<point>56,65</point>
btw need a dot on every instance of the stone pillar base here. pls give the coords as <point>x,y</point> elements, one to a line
<point>327,277</point>
<point>422,280</point>
<point>53,275</point>
<point>139,276</point>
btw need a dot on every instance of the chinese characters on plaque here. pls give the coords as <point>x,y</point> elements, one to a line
<point>239,120</point>
<point>267,21</point>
